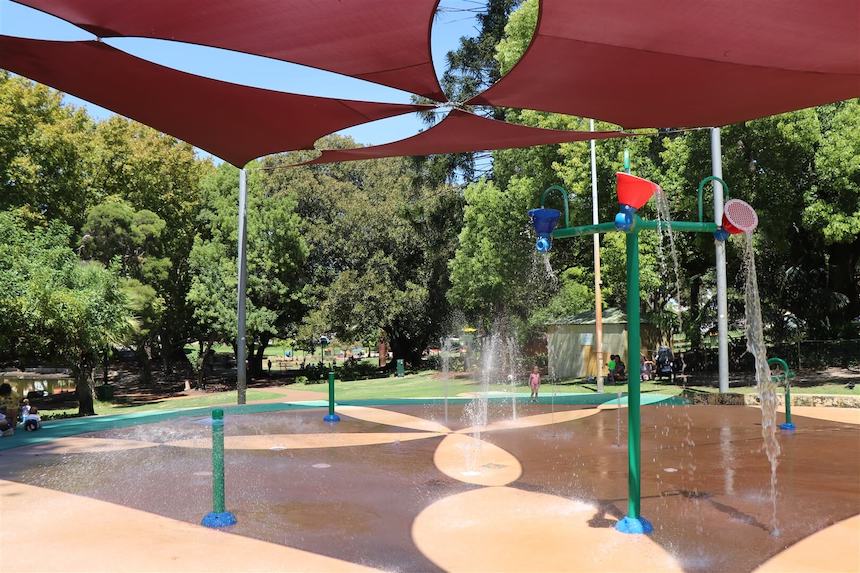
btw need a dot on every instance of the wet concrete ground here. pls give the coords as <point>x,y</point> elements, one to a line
<point>705,480</point>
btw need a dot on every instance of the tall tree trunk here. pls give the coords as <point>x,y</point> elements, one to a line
<point>84,388</point>
<point>145,360</point>
<point>204,348</point>
<point>258,355</point>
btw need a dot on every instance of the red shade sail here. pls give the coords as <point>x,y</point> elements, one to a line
<point>682,63</point>
<point>237,123</point>
<point>460,132</point>
<point>383,41</point>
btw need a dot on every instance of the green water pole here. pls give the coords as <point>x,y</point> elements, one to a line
<point>219,516</point>
<point>218,505</point>
<point>633,344</point>
<point>331,417</point>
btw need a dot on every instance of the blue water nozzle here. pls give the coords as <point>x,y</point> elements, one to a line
<point>624,218</point>
<point>544,221</point>
<point>721,235</point>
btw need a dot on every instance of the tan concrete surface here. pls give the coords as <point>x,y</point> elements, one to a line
<point>835,549</point>
<point>78,445</point>
<point>503,529</point>
<point>45,530</point>
<point>303,441</point>
<point>469,460</point>
<point>843,415</point>
<point>533,421</point>
<point>391,418</point>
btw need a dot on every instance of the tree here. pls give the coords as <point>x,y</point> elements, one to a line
<point>276,252</point>
<point>159,178</point>
<point>380,237</point>
<point>115,232</point>
<point>57,306</point>
<point>44,150</point>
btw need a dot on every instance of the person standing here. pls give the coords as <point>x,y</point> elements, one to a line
<point>534,383</point>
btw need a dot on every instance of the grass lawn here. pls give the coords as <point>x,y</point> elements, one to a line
<point>428,385</point>
<point>214,399</point>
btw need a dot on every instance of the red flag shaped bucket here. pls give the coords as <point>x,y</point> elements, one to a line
<point>634,191</point>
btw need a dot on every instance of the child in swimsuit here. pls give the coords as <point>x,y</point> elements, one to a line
<point>534,383</point>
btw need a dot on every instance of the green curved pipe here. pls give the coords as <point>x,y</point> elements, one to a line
<point>783,364</point>
<point>788,374</point>
<point>702,184</point>
<point>564,196</point>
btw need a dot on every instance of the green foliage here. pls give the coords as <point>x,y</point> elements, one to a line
<point>379,238</point>
<point>276,252</point>
<point>53,305</point>
<point>43,150</point>
<point>489,272</point>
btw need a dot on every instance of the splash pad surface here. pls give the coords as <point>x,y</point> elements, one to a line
<point>398,488</point>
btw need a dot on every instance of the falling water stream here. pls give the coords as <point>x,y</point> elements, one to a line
<point>513,360</point>
<point>446,369</point>
<point>664,228</point>
<point>767,390</point>
<point>476,412</point>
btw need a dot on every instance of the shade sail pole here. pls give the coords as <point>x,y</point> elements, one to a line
<point>242,265</point>
<point>598,297</point>
<point>720,251</point>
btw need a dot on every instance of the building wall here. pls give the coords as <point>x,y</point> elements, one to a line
<point>571,352</point>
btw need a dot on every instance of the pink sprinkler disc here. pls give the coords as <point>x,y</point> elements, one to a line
<point>739,217</point>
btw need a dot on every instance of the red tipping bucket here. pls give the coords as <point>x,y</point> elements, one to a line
<point>634,191</point>
<point>739,217</point>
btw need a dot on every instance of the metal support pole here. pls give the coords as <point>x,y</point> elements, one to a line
<point>331,417</point>
<point>242,263</point>
<point>598,295</point>
<point>720,252</point>
<point>219,516</point>
<point>634,522</point>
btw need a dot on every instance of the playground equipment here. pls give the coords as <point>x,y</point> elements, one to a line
<point>331,417</point>
<point>633,193</point>
<point>219,516</point>
<point>785,375</point>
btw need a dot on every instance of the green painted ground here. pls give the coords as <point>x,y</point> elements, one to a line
<point>214,399</point>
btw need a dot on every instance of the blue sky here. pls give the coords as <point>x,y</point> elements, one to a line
<point>449,26</point>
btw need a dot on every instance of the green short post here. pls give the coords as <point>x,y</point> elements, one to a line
<point>331,417</point>
<point>634,522</point>
<point>789,424</point>
<point>401,369</point>
<point>219,516</point>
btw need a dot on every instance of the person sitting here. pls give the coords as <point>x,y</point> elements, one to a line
<point>620,369</point>
<point>646,368</point>
<point>611,365</point>
<point>33,421</point>
<point>8,410</point>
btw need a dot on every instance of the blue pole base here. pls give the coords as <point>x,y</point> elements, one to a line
<point>331,418</point>
<point>216,520</point>
<point>788,427</point>
<point>634,526</point>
